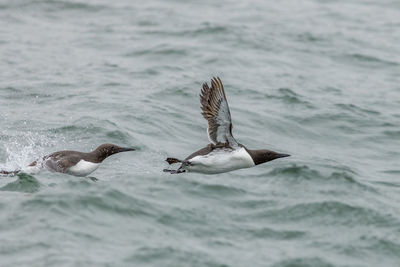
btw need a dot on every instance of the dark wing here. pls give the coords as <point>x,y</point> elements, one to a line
<point>216,111</point>
<point>60,162</point>
<point>200,152</point>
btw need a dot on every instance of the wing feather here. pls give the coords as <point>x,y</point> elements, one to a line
<point>215,110</point>
<point>61,161</point>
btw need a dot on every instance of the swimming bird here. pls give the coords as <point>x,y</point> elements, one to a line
<point>72,162</point>
<point>224,153</point>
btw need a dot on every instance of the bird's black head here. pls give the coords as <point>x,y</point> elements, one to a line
<point>106,150</point>
<point>265,155</point>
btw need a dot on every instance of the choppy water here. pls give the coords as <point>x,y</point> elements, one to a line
<point>316,79</point>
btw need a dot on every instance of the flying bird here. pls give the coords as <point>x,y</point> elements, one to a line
<point>224,153</point>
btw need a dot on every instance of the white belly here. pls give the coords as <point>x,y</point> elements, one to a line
<point>220,160</point>
<point>83,168</point>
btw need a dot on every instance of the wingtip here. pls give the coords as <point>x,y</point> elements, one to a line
<point>215,82</point>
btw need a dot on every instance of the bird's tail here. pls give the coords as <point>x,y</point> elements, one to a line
<point>12,173</point>
<point>173,160</point>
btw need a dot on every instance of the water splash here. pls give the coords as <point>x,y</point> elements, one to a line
<point>24,148</point>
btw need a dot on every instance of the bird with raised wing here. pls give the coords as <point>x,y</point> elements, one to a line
<point>224,153</point>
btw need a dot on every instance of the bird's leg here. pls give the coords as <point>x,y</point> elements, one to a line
<point>174,171</point>
<point>227,145</point>
<point>218,145</point>
<point>186,163</point>
<point>12,173</point>
<point>221,145</point>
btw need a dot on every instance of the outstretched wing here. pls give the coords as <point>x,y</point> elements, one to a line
<point>216,111</point>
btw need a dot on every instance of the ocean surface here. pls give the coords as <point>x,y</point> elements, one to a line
<point>317,79</point>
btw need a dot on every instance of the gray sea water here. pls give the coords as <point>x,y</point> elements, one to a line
<point>317,79</point>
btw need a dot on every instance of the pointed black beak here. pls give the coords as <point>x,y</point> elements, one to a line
<point>124,149</point>
<point>282,155</point>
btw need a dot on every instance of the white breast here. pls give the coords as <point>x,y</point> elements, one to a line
<point>83,168</point>
<point>221,160</point>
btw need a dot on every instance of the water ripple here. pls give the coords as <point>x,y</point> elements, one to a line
<point>330,212</point>
<point>24,183</point>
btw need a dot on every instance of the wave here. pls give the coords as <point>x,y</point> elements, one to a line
<point>108,202</point>
<point>303,172</point>
<point>330,212</point>
<point>265,232</point>
<point>25,183</point>
<point>367,59</point>
<point>50,5</point>
<point>288,96</point>
<point>300,262</point>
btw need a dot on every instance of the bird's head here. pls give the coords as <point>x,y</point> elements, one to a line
<point>106,150</point>
<point>265,155</point>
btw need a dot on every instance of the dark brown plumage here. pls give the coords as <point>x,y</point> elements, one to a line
<point>215,110</point>
<point>224,153</point>
<point>61,161</point>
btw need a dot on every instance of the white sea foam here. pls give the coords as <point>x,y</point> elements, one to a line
<point>24,148</point>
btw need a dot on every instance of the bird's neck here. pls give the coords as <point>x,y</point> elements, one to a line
<point>96,156</point>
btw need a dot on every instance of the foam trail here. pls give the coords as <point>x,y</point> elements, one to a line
<point>23,149</point>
